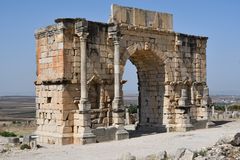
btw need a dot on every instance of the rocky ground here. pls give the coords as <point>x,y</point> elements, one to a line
<point>227,148</point>
<point>199,144</point>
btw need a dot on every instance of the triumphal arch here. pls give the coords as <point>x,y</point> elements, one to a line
<point>80,64</point>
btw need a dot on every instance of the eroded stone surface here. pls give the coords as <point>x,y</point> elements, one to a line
<point>71,101</point>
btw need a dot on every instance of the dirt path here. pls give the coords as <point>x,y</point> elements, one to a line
<point>139,147</point>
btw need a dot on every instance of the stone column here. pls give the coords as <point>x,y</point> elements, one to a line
<point>84,95</point>
<point>205,96</point>
<point>198,67</point>
<point>205,102</point>
<point>127,121</point>
<point>137,117</point>
<point>117,104</point>
<point>116,71</point>
<point>213,111</point>
<point>85,134</point>
<point>183,103</point>
<point>225,112</point>
<point>118,110</point>
<point>192,94</point>
<point>166,105</point>
<point>102,114</point>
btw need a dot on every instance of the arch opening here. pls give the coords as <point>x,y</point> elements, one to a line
<point>130,93</point>
<point>151,88</point>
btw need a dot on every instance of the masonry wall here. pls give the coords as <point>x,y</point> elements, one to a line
<point>58,80</point>
<point>171,70</point>
<point>179,62</point>
<point>53,103</point>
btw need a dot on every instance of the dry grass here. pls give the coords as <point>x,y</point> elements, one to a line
<point>19,127</point>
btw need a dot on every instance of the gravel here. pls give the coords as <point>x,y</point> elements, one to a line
<point>140,147</point>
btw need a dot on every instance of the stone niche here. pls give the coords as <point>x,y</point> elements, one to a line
<point>80,64</point>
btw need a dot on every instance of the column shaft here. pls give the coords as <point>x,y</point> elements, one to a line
<point>118,111</point>
<point>116,71</point>
<point>84,95</point>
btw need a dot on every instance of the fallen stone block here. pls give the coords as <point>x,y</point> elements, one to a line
<point>236,140</point>
<point>13,140</point>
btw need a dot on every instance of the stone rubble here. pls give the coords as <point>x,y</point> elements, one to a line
<point>227,148</point>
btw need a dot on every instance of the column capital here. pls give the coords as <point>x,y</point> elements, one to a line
<point>83,36</point>
<point>114,34</point>
<point>115,37</point>
<point>81,29</point>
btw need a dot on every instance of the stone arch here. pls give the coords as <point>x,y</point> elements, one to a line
<point>151,80</point>
<point>83,49</point>
<point>165,57</point>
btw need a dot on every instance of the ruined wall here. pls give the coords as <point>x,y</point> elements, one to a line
<point>171,69</point>
<point>179,62</point>
<point>100,74</point>
<point>189,73</point>
<point>54,96</point>
<point>58,79</point>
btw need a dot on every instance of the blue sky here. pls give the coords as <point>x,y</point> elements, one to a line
<point>217,19</point>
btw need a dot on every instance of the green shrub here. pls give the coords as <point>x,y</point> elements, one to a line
<point>25,146</point>
<point>8,134</point>
<point>234,108</point>
<point>132,108</point>
<point>219,107</point>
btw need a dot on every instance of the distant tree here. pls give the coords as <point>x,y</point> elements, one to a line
<point>219,106</point>
<point>132,108</point>
<point>234,107</point>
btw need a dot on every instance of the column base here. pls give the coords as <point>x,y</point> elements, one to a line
<point>54,138</point>
<point>84,136</point>
<point>118,112</point>
<point>83,133</point>
<point>117,105</point>
<point>149,128</point>
<point>179,127</point>
<point>85,140</point>
<point>84,105</point>
<point>210,124</point>
<point>200,124</point>
<point>121,133</point>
